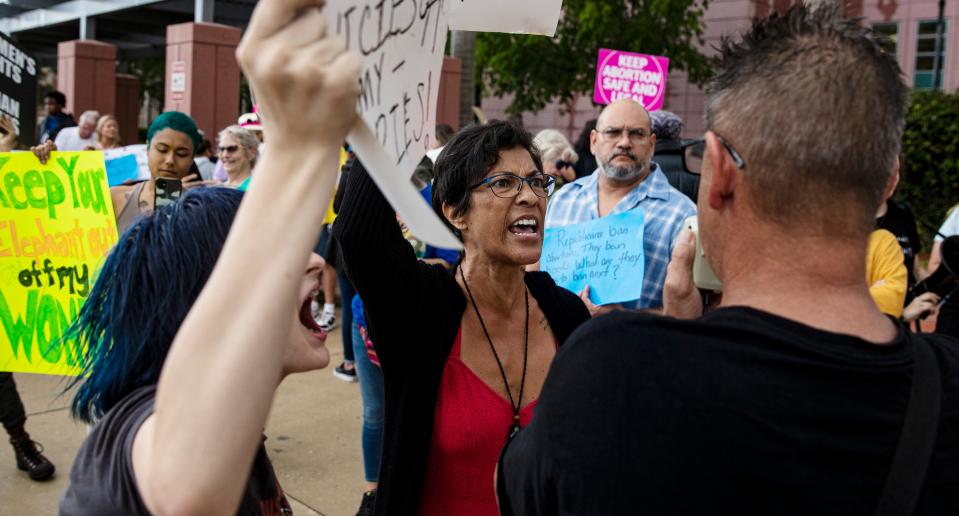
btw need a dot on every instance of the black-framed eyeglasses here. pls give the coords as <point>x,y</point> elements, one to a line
<point>613,134</point>
<point>509,185</point>
<point>694,150</point>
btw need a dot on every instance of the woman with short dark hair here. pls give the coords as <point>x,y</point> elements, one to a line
<point>464,356</point>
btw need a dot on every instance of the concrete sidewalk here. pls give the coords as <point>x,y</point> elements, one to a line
<point>313,438</point>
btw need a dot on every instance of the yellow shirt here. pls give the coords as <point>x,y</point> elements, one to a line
<point>330,214</point>
<point>886,272</point>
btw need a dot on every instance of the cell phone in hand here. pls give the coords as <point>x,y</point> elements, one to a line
<point>195,170</point>
<point>703,275</point>
<point>167,191</point>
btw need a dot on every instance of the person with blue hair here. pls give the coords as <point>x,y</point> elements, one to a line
<point>203,307</point>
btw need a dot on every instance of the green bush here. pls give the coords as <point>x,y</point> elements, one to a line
<point>930,182</point>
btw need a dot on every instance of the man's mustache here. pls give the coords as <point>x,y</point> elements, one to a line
<point>628,154</point>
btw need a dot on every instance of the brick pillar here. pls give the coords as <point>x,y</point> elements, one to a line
<point>86,72</point>
<point>448,101</point>
<point>202,76</point>
<point>128,108</point>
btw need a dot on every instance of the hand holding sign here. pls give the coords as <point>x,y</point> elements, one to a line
<point>306,81</point>
<point>402,44</point>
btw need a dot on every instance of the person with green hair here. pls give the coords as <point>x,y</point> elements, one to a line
<point>171,141</point>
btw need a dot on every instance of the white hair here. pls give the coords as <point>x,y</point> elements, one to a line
<point>552,145</point>
<point>244,137</point>
<point>90,116</point>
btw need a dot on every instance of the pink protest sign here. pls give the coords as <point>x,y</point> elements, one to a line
<point>627,75</point>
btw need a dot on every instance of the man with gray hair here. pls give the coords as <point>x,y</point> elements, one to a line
<point>81,137</point>
<point>626,179</point>
<point>797,396</point>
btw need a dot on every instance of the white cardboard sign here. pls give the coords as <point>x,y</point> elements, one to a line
<point>516,16</point>
<point>402,43</point>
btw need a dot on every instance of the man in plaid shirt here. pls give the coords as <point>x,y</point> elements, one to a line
<point>627,179</point>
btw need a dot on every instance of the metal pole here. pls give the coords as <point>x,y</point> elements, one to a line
<point>937,57</point>
<point>203,11</point>
<point>88,27</point>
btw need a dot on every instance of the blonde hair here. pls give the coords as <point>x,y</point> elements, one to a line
<point>552,145</point>
<point>102,122</point>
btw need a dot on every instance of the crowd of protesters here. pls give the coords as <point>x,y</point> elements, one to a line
<point>809,385</point>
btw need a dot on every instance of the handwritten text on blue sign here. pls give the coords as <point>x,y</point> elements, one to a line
<point>606,254</point>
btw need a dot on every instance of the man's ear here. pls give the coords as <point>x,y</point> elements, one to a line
<point>723,172</point>
<point>593,135</point>
<point>457,222</point>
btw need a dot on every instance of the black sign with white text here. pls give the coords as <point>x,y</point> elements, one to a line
<point>18,88</point>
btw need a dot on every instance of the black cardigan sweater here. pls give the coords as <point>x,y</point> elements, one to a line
<point>413,312</point>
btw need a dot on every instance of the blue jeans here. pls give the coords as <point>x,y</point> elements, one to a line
<point>371,390</point>
<point>346,312</point>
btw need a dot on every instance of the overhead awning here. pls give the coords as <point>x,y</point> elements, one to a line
<point>136,27</point>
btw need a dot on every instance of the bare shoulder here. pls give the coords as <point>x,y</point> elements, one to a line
<point>119,195</point>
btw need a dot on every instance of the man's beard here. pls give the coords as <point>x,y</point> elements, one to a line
<point>624,173</point>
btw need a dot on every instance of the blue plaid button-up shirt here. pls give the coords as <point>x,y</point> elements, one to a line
<point>664,210</point>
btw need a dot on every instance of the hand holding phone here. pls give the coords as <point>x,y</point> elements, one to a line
<point>193,179</point>
<point>167,191</point>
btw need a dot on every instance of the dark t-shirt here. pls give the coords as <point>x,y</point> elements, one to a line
<point>102,480</point>
<point>899,221</point>
<point>739,412</point>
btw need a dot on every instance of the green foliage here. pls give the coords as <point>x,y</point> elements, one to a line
<point>152,73</point>
<point>930,183</point>
<point>538,70</point>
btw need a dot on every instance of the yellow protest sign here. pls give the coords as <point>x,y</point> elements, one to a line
<point>56,227</point>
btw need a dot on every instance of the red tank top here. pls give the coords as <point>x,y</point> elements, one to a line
<point>470,427</point>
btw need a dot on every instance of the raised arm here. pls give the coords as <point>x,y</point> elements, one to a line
<point>381,264</point>
<point>194,455</point>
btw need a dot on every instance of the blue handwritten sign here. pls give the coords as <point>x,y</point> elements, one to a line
<point>606,254</point>
<point>121,169</point>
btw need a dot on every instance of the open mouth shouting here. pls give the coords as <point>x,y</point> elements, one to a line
<point>306,317</point>
<point>526,227</point>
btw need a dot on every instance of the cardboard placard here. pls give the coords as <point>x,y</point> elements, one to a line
<point>402,44</point>
<point>606,254</point>
<point>622,74</point>
<point>56,227</point>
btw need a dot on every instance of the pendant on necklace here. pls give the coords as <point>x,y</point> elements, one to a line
<point>514,428</point>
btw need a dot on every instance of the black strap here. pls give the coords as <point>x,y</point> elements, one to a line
<point>918,438</point>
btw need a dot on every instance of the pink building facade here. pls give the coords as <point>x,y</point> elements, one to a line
<point>910,25</point>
